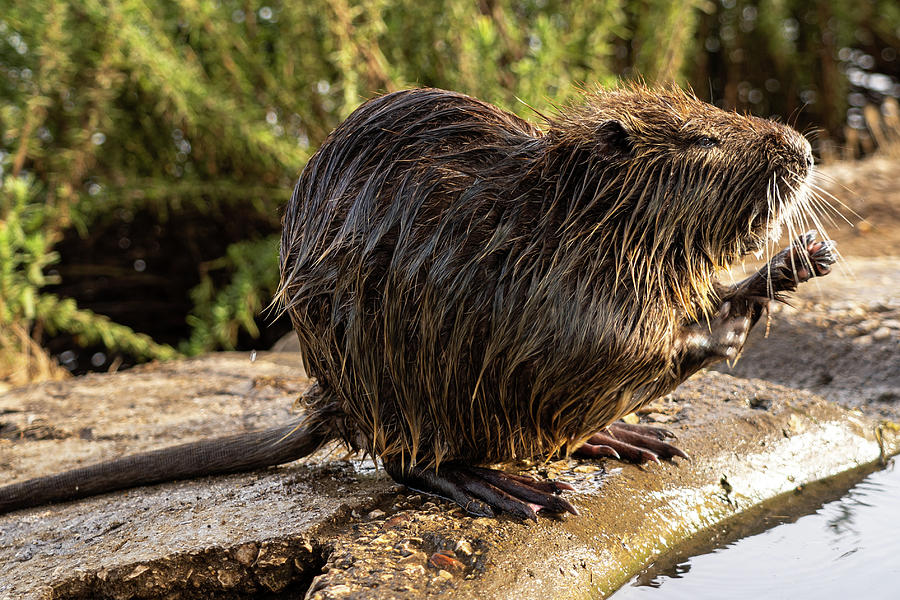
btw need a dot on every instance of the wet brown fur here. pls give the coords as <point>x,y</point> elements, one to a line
<point>467,286</point>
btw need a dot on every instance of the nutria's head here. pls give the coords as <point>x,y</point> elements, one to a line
<point>683,181</point>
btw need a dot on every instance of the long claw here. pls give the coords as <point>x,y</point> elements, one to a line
<point>497,498</point>
<point>546,485</point>
<point>550,501</point>
<point>636,438</point>
<point>596,449</point>
<point>645,430</point>
<point>635,443</point>
<point>479,490</point>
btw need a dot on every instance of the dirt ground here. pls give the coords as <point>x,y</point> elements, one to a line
<point>841,336</point>
<point>867,193</point>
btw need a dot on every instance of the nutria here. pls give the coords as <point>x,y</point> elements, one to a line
<point>469,289</point>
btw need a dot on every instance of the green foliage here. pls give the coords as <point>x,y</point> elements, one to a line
<point>221,313</point>
<point>788,57</point>
<point>25,249</point>
<point>211,107</point>
<point>90,328</point>
<point>26,243</point>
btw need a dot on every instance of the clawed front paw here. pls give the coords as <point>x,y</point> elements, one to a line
<point>822,255</point>
<point>725,334</point>
<point>807,258</point>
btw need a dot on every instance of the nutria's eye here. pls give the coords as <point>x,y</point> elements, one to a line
<point>707,142</point>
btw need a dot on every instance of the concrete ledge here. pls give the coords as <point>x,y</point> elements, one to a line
<point>333,528</point>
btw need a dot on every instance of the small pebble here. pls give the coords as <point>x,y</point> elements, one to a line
<point>340,589</point>
<point>882,333</point>
<point>464,547</point>
<point>137,572</point>
<point>23,555</point>
<point>586,468</point>
<point>867,326</point>
<point>246,553</point>
<point>396,520</point>
<point>444,561</point>
<point>415,557</point>
<point>228,578</point>
<point>660,418</point>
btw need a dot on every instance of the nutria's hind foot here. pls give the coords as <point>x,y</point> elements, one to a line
<point>481,491</point>
<point>634,443</point>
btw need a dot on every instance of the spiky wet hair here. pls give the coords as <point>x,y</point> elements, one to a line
<point>687,187</point>
<point>467,286</point>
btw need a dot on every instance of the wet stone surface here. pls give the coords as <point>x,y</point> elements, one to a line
<point>335,528</point>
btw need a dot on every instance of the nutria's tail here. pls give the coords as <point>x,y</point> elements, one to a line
<point>231,454</point>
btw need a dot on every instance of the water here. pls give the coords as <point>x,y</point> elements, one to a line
<point>826,542</point>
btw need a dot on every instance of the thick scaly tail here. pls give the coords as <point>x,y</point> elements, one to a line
<point>230,454</point>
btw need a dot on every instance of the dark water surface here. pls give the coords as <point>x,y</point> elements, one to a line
<point>834,540</point>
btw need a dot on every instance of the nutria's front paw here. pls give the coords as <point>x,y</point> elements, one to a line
<point>727,333</point>
<point>806,258</point>
<point>811,258</point>
<point>721,337</point>
<point>822,255</point>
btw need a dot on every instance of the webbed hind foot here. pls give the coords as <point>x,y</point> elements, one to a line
<point>482,491</point>
<point>634,443</point>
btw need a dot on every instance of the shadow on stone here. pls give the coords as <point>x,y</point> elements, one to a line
<point>274,570</point>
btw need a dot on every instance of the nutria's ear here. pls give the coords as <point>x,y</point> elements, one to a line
<point>612,138</point>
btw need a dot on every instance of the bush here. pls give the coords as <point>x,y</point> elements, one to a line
<point>27,233</point>
<point>124,123</point>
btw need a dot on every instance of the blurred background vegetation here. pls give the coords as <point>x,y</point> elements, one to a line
<point>146,147</point>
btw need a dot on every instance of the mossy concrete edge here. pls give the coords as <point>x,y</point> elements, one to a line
<point>616,539</point>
